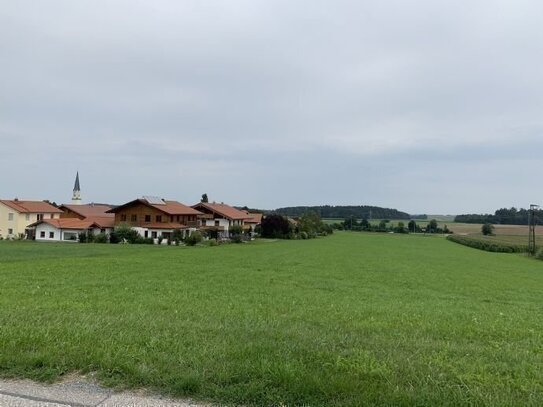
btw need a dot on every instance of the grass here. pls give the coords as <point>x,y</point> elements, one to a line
<point>352,319</point>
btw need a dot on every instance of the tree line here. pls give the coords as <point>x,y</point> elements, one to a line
<point>503,216</point>
<point>343,212</point>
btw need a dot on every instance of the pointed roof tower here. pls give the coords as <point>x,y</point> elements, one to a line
<point>76,197</point>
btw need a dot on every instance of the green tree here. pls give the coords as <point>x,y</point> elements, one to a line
<point>432,226</point>
<point>487,229</point>
<point>276,227</point>
<point>311,223</point>
<point>204,198</point>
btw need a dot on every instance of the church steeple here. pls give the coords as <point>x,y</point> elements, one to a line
<point>76,197</point>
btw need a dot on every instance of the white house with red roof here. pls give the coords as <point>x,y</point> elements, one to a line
<point>16,216</point>
<point>68,229</point>
<point>75,219</point>
<point>220,217</point>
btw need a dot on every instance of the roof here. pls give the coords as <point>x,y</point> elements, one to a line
<point>103,222</point>
<point>30,206</point>
<point>224,210</point>
<point>254,217</point>
<point>90,210</point>
<point>67,223</point>
<point>168,207</point>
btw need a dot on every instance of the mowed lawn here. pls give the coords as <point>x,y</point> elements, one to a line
<point>351,319</point>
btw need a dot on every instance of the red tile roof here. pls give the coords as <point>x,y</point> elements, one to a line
<point>254,217</point>
<point>169,207</point>
<point>31,206</point>
<point>224,210</point>
<point>90,210</point>
<point>67,223</point>
<point>103,222</point>
<point>176,208</point>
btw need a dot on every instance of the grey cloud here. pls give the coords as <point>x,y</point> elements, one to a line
<point>272,103</point>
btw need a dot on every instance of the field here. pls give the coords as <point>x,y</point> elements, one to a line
<point>351,319</point>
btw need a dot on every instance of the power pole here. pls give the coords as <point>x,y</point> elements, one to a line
<point>532,221</point>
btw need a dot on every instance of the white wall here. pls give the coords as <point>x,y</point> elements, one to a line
<point>47,229</point>
<point>58,234</point>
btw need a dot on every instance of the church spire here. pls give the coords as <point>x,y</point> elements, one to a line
<point>76,197</point>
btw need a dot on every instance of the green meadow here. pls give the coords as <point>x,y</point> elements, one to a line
<point>347,320</point>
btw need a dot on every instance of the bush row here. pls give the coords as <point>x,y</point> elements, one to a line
<point>488,246</point>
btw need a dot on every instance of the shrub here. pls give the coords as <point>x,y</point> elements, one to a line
<point>304,235</point>
<point>177,236</point>
<point>487,229</point>
<point>101,238</point>
<point>539,254</point>
<point>193,239</point>
<point>236,234</point>
<point>488,246</point>
<point>125,233</point>
<point>82,236</point>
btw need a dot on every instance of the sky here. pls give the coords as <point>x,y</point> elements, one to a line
<point>424,106</point>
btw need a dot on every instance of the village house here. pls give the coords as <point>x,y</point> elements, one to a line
<point>16,216</point>
<point>75,219</point>
<point>219,217</point>
<point>252,221</point>
<point>155,217</point>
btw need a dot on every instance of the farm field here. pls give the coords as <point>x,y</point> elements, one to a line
<point>347,320</point>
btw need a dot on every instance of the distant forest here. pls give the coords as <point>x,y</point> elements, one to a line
<point>343,212</point>
<point>504,216</point>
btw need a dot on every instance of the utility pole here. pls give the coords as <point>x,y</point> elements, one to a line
<point>532,221</point>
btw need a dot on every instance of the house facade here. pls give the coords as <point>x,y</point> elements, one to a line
<point>155,217</point>
<point>16,216</point>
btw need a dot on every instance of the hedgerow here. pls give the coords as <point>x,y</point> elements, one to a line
<point>489,246</point>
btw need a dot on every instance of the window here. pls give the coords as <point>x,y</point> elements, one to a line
<point>42,234</point>
<point>102,231</point>
<point>159,218</point>
<point>153,235</point>
<point>70,236</point>
<point>171,218</point>
<point>39,216</point>
<point>27,216</point>
<point>10,231</point>
<point>147,218</point>
<point>146,233</point>
<point>133,218</point>
<point>217,223</point>
<point>123,218</point>
<point>51,235</point>
<point>10,216</point>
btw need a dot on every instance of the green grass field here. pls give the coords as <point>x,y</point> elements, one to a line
<point>351,319</point>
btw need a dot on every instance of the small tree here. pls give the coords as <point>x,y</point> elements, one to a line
<point>400,228</point>
<point>204,198</point>
<point>487,229</point>
<point>236,233</point>
<point>193,239</point>
<point>432,226</point>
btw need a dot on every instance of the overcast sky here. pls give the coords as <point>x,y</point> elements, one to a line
<point>424,106</point>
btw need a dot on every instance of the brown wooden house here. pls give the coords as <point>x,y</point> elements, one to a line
<point>155,217</point>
